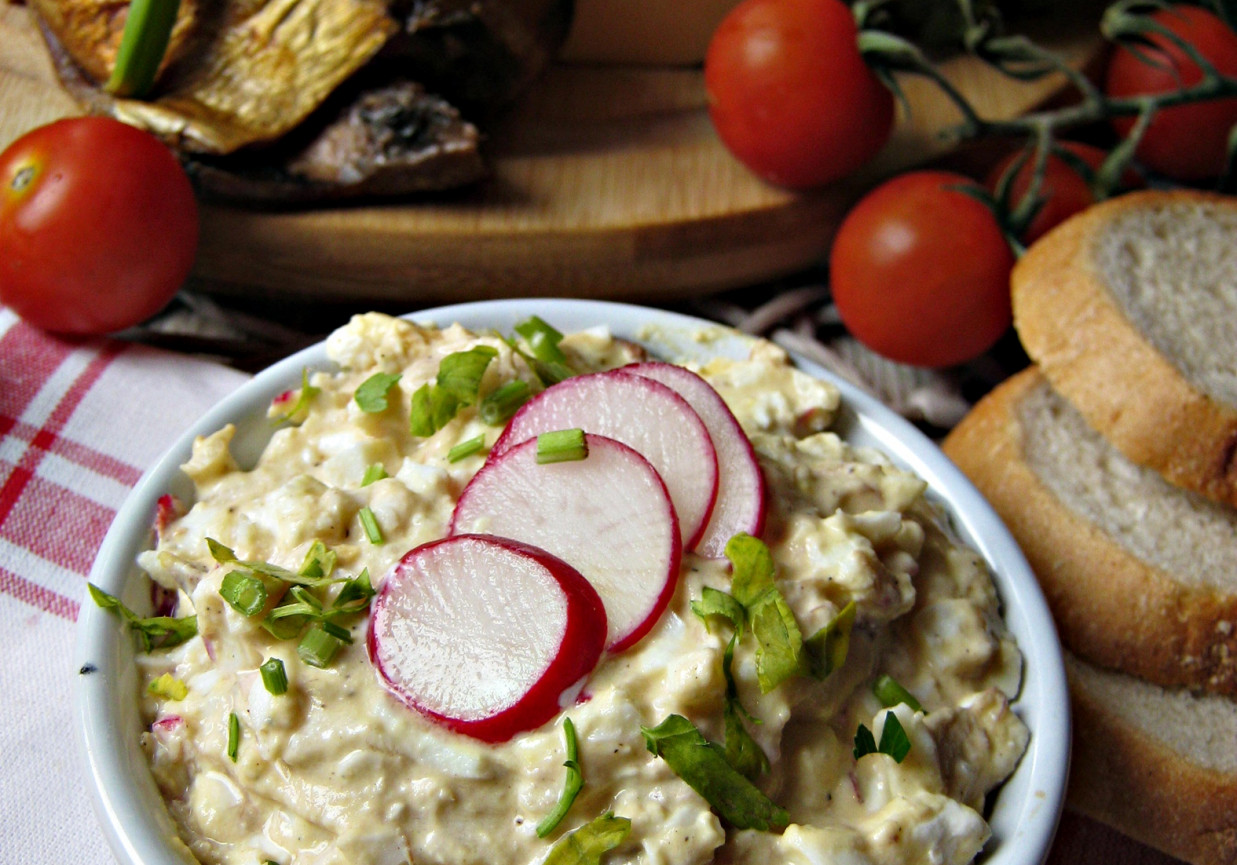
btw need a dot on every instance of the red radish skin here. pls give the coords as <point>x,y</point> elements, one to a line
<point>486,636</point>
<point>740,504</point>
<point>641,413</point>
<point>608,515</point>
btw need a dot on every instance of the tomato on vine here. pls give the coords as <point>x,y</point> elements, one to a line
<point>920,271</point>
<point>98,226</point>
<point>1184,142</point>
<point>790,94</point>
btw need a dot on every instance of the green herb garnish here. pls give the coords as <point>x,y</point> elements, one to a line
<point>274,676</point>
<point>372,395</point>
<point>374,473</point>
<point>826,650</point>
<point>890,693</point>
<point>778,639</point>
<point>559,446</point>
<point>460,372</point>
<point>500,404</point>
<point>319,646</point>
<point>148,29</point>
<point>370,524</point>
<point>155,632</point>
<point>319,562</point>
<point>544,356</point>
<point>432,409</point>
<point>297,412</point>
<point>244,592</point>
<point>571,786</point>
<point>234,736</point>
<point>169,687</point>
<point>586,845</point>
<point>703,765</point>
<point>894,741</point>
<point>465,449</point>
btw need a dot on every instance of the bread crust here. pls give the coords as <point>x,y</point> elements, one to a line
<point>1094,356</point>
<point>1111,608</point>
<point>1141,787</point>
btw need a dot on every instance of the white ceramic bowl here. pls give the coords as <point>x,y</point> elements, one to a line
<point>128,804</point>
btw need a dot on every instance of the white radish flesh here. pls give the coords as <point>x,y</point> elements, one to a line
<point>485,635</point>
<point>641,413</point>
<point>740,504</point>
<point>608,515</point>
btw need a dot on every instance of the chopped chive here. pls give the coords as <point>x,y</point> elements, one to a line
<point>337,631</point>
<point>244,592</point>
<point>319,561</point>
<point>283,627</point>
<point>274,676</point>
<point>890,693</point>
<point>355,594</point>
<point>148,29</point>
<point>370,523</point>
<point>374,473</point>
<point>169,687</point>
<point>561,446</point>
<point>542,340</point>
<point>156,632</point>
<point>234,735</point>
<point>372,395</point>
<point>466,449</point>
<point>571,786</point>
<point>318,647</point>
<point>297,412</point>
<point>499,405</point>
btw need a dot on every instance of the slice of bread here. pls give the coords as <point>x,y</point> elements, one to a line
<point>1159,765</point>
<point>1130,310</point>
<point>1141,576</point>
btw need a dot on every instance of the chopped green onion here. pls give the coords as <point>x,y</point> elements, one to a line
<point>460,372</point>
<point>355,594</point>
<point>466,449</point>
<point>297,412</point>
<point>285,626</point>
<point>571,787</point>
<point>561,446</point>
<point>370,523</point>
<point>827,648</point>
<point>894,741</point>
<point>588,844</point>
<point>169,687</point>
<point>890,693</point>
<point>156,632</point>
<point>703,766</point>
<point>319,561</point>
<point>148,29</point>
<point>220,553</point>
<point>244,592</point>
<point>374,473</point>
<point>542,340</point>
<point>372,395</point>
<point>274,676</point>
<point>498,406</point>
<point>318,647</point>
<point>337,631</point>
<point>234,735</point>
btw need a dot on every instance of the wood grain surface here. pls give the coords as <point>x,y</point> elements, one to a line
<point>607,181</point>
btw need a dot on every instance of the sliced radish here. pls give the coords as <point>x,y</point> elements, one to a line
<point>485,635</point>
<point>607,515</point>
<point>740,505</point>
<point>639,412</point>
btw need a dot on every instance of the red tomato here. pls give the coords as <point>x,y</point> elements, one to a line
<point>98,226</point>
<point>790,94</point>
<point>1064,190</point>
<point>1186,142</point>
<point>920,271</point>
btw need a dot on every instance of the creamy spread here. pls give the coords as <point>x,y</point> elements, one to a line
<point>337,771</point>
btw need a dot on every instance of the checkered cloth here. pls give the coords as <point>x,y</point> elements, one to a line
<point>79,422</point>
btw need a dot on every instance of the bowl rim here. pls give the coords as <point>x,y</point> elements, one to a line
<point>1028,808</point>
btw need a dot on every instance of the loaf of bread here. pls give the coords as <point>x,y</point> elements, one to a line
<point>1159,765</point>
<point>1130,310</point>
<point>1141,576</point>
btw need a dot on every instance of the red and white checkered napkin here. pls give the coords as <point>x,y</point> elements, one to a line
<point>79,423</point>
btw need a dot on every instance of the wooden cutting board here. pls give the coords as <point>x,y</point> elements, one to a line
<point>607,182</point>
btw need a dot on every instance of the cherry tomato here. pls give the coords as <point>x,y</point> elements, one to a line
<point>1186,142</point>
<point>920,271</point>
<point>1064,190</point>
<point>790,94</point>
<point>98,226</point>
